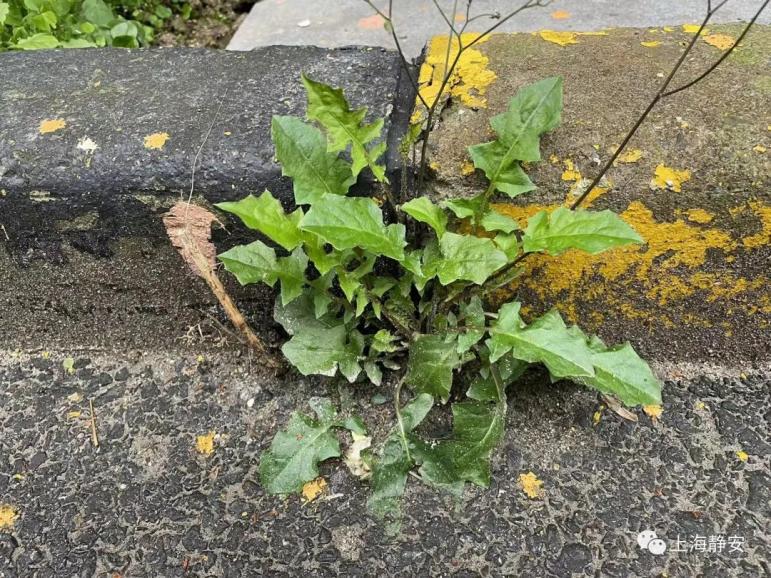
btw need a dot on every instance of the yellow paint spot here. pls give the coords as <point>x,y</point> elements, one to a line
<point>759,149</point>
<point>8,515</point>
<point>562,38</point>
<point>651,43</point>
<point>694,28</point>
<point>763,238</point>
<point>531,485</point>
<point>156,141</point>
<point>570,173</point>
<point>699,216</point>
<point>721,41</point>
<point>630,156</point>
<point>700,406</point>
<point>554,159</point>
<point>469,79</point>
<point>73,414</point>
<point>653,411</point>
<point>597,417</point>
<point>52,125</point>
<point>467,168</point>
<point>560,15</point>
<point>742,455</point>
<point>668,29</point>
<point>669,178</point>
<point>204,444</point>
<point>314,488</point>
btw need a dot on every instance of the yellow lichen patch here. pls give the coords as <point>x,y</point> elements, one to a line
<point>469,80</point>
<point>759,149</point>
<point>668,29</point>
<point>762,238</point>
<point>721,41</point>
<point>467,168</point>
<point>664,271</point>
<point>694,28</point>
<point>562,38</point>
<point>156,141</point>
<point>8,515</point>
<point>314,488</point>
<point>742,455</point>
<point>560,15</point>
<point>52,125</point>
<point>630,156</point>
<point>204,444</point>
<point>531,485</point>
<point>653,411</point>
<point>651,43</point>
<point>699,216</point>
<point>669,178</point>
<point>570,173</point>
<point>554,159</point>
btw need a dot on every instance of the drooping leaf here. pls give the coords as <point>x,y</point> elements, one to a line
<point>266,215</point>
<point>302,151</point>
<point>295,453</point>
<point>39,41</point>
<point>534,110</point>
<point>423,210</point>
<point>495,221</point>
<point>477,431</point>
<point>345,127</point>
<point>389,474</point>
<point>468,258</point>
<point>547,340</point>
<point>588,231</point>
<point>318,346</point>
<point>431,362</point>
<point>347,222</point>
<point>619,371</point>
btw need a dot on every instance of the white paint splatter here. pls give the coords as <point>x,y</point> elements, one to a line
<point>87,145</point>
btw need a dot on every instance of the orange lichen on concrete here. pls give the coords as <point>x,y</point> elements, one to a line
<point>699,216</point>
<point>763,213</point>
<point>469,80</point>
<point>669,178</point>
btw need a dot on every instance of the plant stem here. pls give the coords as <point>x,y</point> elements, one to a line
<point>399,419</point>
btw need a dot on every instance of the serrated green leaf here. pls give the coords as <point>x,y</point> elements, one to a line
<point>431,363</point>
<point>291,272</point>
<point>252,263</point>
<point>466,207</point>
<point>547,340</point>
<point>588,231</point>
<point>534,110</point>
<point>302,151</point>
<point>619,371</point>
<point>477,431</point>
<point>344,126</point>
<point>389,472</point>
<point>346,222</point>
<point>318,346</point>
<point>504,174</point>
<point>39,41</point>
<point>468,258</point>
<point>423,210</point>
<point>266,215</point>
<point>495,221</point>
<point>295,453</point>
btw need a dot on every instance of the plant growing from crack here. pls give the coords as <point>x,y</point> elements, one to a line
<point>360,296</point>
